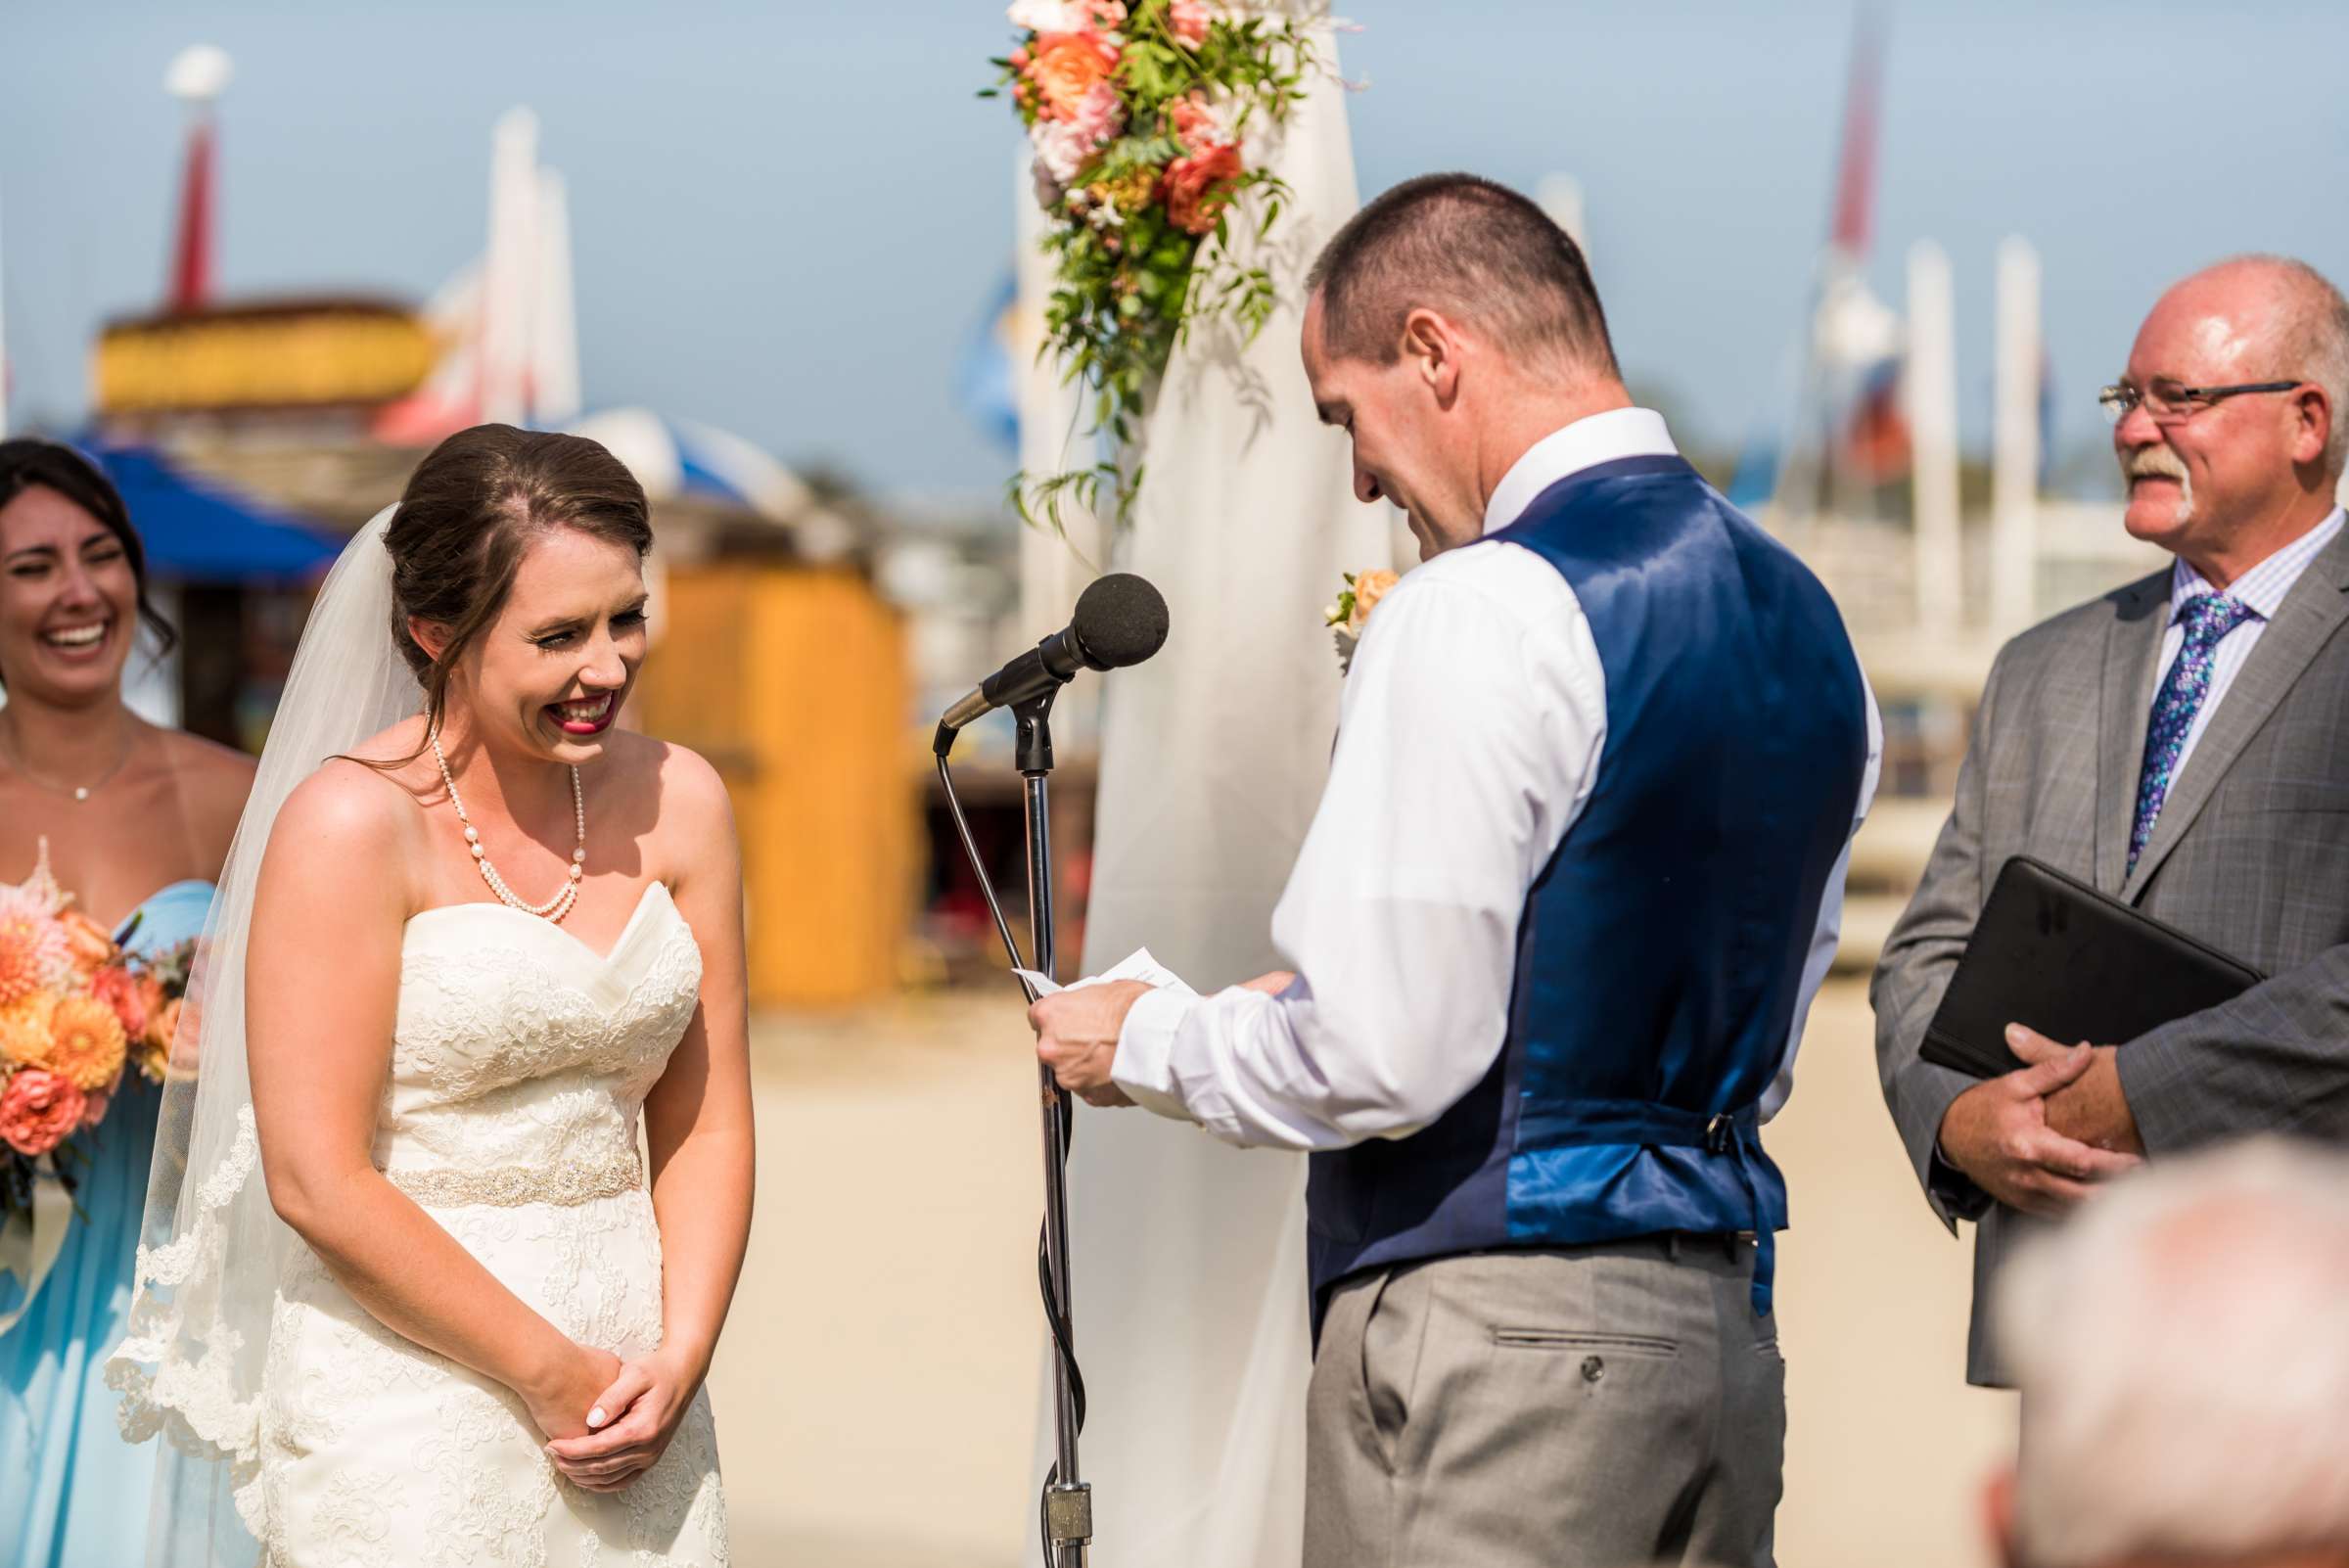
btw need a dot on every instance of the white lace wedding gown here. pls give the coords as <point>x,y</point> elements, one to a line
<point>520,1061</point>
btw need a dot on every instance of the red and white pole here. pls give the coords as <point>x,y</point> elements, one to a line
<point>197,78</point>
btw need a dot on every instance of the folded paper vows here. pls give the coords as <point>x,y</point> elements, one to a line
<point>1136,965</point>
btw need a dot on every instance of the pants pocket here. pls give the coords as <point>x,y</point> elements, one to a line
<point>1564,1339</point>
<point>1393,1339</point>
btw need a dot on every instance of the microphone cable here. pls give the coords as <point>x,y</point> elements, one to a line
<point>1063,1345</point>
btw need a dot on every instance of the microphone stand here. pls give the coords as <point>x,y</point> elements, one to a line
<point>1067,1502</point>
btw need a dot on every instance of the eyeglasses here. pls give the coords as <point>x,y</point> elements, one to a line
<point>2172,405</point>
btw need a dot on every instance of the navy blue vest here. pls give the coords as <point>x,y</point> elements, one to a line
<point>1661,950</point>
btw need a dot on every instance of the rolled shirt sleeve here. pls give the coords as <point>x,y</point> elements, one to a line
<point>1470,732</point>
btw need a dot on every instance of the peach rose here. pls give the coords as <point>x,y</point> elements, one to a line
<point>114,987</point>
<point>1198,188</point>
<point>86,941</point>
<point>24,1029</point>
<point>38,1110</point>
<point>1065,67</point>
<point>86,1043</point>
<point>1369,589</point>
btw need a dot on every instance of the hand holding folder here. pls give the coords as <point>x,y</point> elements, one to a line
<point>2053,953</point>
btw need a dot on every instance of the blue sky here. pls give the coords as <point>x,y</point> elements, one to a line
<point>788,216</point>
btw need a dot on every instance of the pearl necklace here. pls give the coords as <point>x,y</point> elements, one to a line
<point>80,792</point>
<point>556,907</point>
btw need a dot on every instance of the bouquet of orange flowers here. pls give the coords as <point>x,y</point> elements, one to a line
<point>1140,114</point>
<point>77,1014</point>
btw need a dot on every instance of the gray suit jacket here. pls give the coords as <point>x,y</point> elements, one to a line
<point>2250,854</point>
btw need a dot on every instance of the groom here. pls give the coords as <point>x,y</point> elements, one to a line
<point>1576,875</point>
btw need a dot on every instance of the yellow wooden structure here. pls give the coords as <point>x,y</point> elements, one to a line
<point>792,680</point>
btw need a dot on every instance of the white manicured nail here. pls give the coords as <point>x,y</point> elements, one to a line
<point>595,1417</point>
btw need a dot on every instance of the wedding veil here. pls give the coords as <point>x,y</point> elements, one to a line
<point>190,1368</point>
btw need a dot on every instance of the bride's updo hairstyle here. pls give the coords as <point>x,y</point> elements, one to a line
<point>472,508</point>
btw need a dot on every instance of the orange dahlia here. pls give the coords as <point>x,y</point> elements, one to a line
<point>86,1042</point>
<point>33,951</point>
<point>25,1028</point>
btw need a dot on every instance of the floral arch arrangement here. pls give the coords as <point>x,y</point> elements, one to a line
<point>1139,115</point>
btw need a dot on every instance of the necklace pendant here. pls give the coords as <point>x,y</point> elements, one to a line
<point>81,792</point>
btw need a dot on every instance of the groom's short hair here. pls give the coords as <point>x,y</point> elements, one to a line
<point>1476,252</point>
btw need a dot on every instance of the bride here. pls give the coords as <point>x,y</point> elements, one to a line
<point>468,931</point>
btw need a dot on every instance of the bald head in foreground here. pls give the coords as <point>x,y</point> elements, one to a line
<point>2183,1348</point>
<point>2176,744</point>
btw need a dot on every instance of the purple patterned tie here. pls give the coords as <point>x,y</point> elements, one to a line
<point>2208,619</point>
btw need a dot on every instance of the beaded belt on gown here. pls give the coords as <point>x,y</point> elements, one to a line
<point>510,1186</point>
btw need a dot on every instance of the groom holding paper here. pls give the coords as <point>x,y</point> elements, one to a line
<point>1575,876</point>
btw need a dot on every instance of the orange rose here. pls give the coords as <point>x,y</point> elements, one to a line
<point>1198,188</point>
<point>24,1029</point>
<point>86,939</point>
<point>86,1043</point>
<point>1067,65</point>
<point>38,1110</point>
<point>1369,589</point>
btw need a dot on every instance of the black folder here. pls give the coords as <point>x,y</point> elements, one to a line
<point>2053,953</point>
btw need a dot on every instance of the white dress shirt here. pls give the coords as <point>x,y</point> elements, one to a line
<point>2261,590</point>
<point>1469,738</point>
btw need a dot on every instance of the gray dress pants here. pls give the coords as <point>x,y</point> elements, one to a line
<point>1603,1407</point>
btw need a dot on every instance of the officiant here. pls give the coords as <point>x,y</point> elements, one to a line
<point>2176,744</point>
<point>1573,883</point>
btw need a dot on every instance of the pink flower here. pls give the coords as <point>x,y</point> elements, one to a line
<point>1197,124</point>
<point>1188,21</point>
<point>1198,187</point>
<point>1062,149</point>
<point>38,1110</point>
<point>114,987</point>
<point>1049,16</point>
<point>93,1108</point>
<point>1098,116</point>
<point>35,951</point>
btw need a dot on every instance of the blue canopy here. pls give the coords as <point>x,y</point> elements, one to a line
<point>198,531</point>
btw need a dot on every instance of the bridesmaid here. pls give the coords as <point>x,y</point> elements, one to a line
<point>138,820</point>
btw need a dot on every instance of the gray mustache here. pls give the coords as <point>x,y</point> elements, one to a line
<point>2153,462</point>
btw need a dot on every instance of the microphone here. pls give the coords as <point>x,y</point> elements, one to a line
<point>1120,620</point>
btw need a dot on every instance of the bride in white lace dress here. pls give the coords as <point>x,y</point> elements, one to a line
<point>449,1323</point>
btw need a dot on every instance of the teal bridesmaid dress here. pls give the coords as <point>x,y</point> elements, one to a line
<point>73,1494</point>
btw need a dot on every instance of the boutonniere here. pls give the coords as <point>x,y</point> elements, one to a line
<point>1351,612</point>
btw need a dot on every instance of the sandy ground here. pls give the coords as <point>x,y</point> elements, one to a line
<point>877,1385</point>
